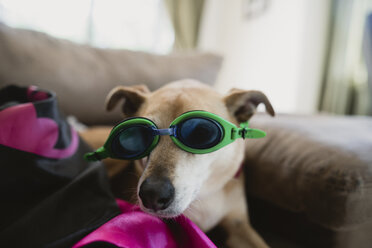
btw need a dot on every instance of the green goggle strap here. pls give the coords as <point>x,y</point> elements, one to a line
<point>243,132</point>
<point>99,154</point>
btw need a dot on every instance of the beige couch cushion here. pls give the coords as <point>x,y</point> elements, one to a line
<point>82,76</point>
<point>317,165</point>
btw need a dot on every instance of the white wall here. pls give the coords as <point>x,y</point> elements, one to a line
<point>280,52</point>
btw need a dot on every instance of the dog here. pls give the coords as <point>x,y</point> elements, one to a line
<point>205,186</point>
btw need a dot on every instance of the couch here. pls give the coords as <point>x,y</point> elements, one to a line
<point>310,180</point>
<point>77,72</point>
<point>308,183</point>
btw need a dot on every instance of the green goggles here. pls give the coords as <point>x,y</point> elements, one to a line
<point>196,132</point>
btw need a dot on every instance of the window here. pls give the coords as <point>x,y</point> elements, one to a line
<point>136,25</point>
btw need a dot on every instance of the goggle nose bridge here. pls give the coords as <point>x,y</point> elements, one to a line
<point>165,131</point>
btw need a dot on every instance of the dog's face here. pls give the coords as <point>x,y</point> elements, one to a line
<point>173,178</point>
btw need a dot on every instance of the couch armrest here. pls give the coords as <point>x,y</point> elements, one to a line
<point>320,166</point>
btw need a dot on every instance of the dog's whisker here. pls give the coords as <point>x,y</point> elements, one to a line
<point>132,188</point>
<point>191,211</point>
<point>196,203</point>
<point>133,198</point>
<point>129,193</point>
<point>134,174</point>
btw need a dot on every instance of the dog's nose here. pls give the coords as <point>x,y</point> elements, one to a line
<point>156,193</point>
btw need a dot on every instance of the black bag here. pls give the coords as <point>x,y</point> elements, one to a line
<point>50,196</point>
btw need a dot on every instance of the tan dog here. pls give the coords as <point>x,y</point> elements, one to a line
<point>202,186</point>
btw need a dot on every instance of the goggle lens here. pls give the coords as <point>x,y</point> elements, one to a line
<point>132,141</point>
<point>199,133</point>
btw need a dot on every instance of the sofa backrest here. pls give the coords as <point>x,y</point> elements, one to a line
<point>82,75</point>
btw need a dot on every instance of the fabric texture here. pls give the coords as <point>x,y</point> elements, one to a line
<point>82,76</point>
<point>320,166</point>
<point>50,196</point>
<point>27,126</point>
<point>134,228</point>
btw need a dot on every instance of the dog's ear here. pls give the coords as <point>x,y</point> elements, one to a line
<point>242,104</point>
<point>134,97</point>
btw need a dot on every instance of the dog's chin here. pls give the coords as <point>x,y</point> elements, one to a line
<point>166,213</point>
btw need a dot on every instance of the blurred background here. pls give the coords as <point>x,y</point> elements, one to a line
<point>306,55</point>
<point>309,182</point>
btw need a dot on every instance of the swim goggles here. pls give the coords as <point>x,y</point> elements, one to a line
<point>196,132</point>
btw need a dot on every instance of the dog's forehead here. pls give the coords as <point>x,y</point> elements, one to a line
<point>167,103</point>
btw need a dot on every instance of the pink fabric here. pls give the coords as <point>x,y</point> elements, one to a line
<point>136,229</point>
<point>33,94</point>
<point>21,129</point>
